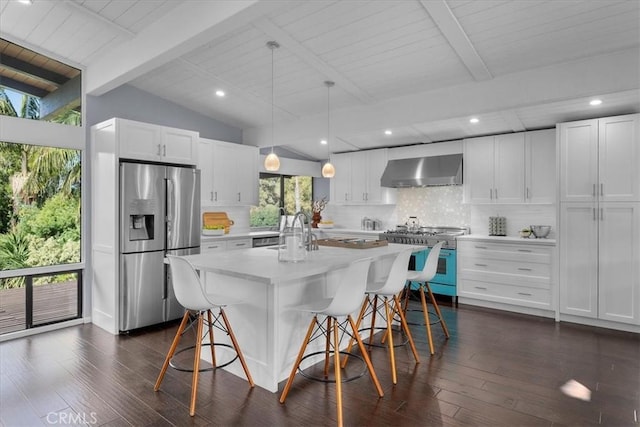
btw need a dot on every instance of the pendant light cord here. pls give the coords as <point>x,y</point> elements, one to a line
<point>272,99</point>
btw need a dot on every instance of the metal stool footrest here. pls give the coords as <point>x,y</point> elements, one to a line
<point>179,368</point>
<point>381,345</point>
<point>329,380</point>
<point>431,314</point>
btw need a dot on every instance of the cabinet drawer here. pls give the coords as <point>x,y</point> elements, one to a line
<point>510,294</point>
<point>506,251</point>
<point>517,267</point>
<point>216,246</point>
<point>239,244</point>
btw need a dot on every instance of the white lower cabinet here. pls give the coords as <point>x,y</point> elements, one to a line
<point>514,273</point>
<point>600,261</point>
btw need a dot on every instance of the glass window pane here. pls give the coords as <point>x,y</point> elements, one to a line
<point>267,213</point>
<point>297,194</point>
<point>55,298</point>
<point>39,206</point>
<point>12,305</point>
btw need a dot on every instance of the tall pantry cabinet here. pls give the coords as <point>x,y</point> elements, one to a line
<point>599,209</point>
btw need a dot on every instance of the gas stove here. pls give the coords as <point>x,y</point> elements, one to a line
<point>427,236</point>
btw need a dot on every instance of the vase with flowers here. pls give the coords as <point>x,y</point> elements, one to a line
<point>317,207</point>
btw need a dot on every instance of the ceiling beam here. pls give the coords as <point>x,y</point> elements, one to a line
<point>188,26</point>
<point>22,87</point>
<point>97,17</point>
<point>32,70</point>
<point>313,60</point>
<point>457,38</point>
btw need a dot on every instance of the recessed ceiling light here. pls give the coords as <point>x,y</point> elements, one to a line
<point>323,141</point>
<point>25,1</point>
<point>595,102</point>
<point>388,132</point>
<point>474,120</point>
<point>220,93</point>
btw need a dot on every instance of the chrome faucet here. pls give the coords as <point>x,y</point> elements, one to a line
<point>310,240</point>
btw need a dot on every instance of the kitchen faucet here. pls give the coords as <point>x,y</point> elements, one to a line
<point>309,236</point>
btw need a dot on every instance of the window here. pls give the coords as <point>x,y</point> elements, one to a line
<point>40,203</point>
<point>291,193</point>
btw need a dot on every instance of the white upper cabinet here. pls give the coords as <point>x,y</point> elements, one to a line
<point>229,173</point>
<point>599,159</point>
<point>494,169</point>
<point>357,179</point>
<point>540,166</point>
<point>144,141</point>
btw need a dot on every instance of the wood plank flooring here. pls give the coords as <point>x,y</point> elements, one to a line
<point>497,369</point>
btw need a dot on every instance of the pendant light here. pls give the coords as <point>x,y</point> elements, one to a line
<point>272,162</point>
<point>328,170</point>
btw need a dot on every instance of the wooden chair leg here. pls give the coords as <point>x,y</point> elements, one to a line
<point>392,355</point>
<point>172,350</point>
<point>327,348</point>
<point>365,304</point>
<point>336,365</point>
<point>373,319</point>
<point>405,326</point>
<point>196,366</point>
<point>287,386</point>
<point>435,306</point>
<point>236,347</point>
<point>213,351</point>
<point>365,356</point>
<point>427,323</point>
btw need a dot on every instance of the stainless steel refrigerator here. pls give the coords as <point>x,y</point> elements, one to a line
<point>159,215</point>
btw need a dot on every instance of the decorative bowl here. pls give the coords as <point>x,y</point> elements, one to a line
<point>540,231</point>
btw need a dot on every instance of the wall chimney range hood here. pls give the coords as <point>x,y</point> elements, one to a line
<point>423,171</point>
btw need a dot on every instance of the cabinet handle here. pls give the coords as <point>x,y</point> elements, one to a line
<point>601,214</point>
<point>164,150</point>
<point>158,149</point>
<point>480,287</point>
<point>345,197</point>
<point>594,213</point>
<point>527,196</point>
<point>525,250</point>
<point>490,194</point>
<point>524,269</point>
<point>480,265</point>
<point>215,196</point>
<point>601,189</point>
<point>524,294</point>
<point>496,190</point>
<point>240,244</point>
<point>594,190</point>
<point>211,196</point>
<point>238,196</point>
<point>213,247</point>
<point>480,247</point>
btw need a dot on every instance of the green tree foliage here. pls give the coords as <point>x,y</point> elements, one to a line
<point>58,218</point>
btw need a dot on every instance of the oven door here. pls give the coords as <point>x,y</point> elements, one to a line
<point>444,281</point>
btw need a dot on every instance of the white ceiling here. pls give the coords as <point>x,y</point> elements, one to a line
<point>419,68</point>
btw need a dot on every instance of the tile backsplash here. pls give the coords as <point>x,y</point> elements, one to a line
<point>434,206</point>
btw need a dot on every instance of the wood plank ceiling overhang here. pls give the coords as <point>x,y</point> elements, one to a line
<point>55,84</point>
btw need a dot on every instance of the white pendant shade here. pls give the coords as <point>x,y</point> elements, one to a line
<point>272,162</point>
<point>328,171</point>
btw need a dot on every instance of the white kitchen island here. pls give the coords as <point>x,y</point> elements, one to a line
<point>268,327</point>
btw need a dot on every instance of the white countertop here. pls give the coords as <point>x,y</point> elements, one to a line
<point>262,265</point>
<point>507,239</point>
<point>238,235</point>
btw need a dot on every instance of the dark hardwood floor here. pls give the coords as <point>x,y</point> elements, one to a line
<point>497,369</point>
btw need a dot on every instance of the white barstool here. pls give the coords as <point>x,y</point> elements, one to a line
<point>347,299</point>
<point>388,291</point>
<point>191,294</point>
<point>423,278</point>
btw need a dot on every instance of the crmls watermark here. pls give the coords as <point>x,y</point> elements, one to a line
<point>71,418</point>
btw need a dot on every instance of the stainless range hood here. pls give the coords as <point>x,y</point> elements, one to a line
<point>423,171</point>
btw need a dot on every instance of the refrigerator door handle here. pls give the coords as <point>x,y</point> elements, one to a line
<point>170,206</point>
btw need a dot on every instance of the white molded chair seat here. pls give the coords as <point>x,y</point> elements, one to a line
<point>347,299</point>
<point>423,277</point>
<point>388,291</point>
<point>191,294</point>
